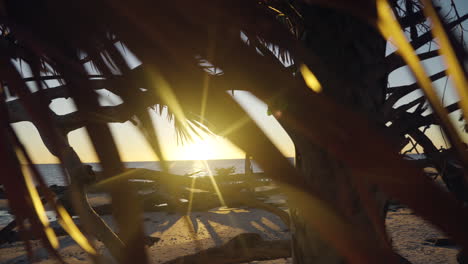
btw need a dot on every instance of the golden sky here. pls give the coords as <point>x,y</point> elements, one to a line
<point>132,146</point>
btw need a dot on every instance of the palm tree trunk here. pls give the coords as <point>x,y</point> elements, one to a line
<point>355,52</point>
<point>335,183</point>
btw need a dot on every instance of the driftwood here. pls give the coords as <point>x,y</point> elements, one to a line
<point>203,202</point>
<point>156,178</point>
<point>242,248</point>
<point>236,190</point>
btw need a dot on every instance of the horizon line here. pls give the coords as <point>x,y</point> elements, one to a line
<point>85,162</point>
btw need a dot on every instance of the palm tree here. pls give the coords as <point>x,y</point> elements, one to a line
<point>345,161</point>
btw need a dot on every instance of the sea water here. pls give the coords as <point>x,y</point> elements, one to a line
<point>53,173</point>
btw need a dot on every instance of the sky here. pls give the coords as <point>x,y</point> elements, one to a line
<point>132,146</point>
<point>443,87</point>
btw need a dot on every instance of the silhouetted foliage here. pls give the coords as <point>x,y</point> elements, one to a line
<point>191,55</point>
<point>225,171</point>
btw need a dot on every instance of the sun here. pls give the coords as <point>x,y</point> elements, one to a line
<point>206,147</point>
<point>199,150</point>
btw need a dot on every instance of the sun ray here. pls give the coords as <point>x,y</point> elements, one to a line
<point>235,126</point>
<point>192,232</point>
<point>168,96</point>
<point>214,183</point>
<point>128,174</point>
<point>218,192</point>
<point>206,79</point>
<point>192,186</point>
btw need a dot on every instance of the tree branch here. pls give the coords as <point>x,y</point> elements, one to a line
<point>399,92</point>
<point>419,42</point>
<point>412,19</point>
<point>395,61</point>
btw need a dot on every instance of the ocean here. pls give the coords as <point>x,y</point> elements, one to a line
<point>53,174</point>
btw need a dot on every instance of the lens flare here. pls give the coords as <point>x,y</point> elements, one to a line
<point>310,79</point>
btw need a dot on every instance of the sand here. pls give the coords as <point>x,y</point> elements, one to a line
<point>215,227</point>
<point>409,232</point>
<point>210,229</point>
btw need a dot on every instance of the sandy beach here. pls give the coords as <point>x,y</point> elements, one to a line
<point>177,238</point>
<point>213,228</point>
<point>409,235</point>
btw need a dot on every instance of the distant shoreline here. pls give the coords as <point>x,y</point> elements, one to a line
<point>96,162</point>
